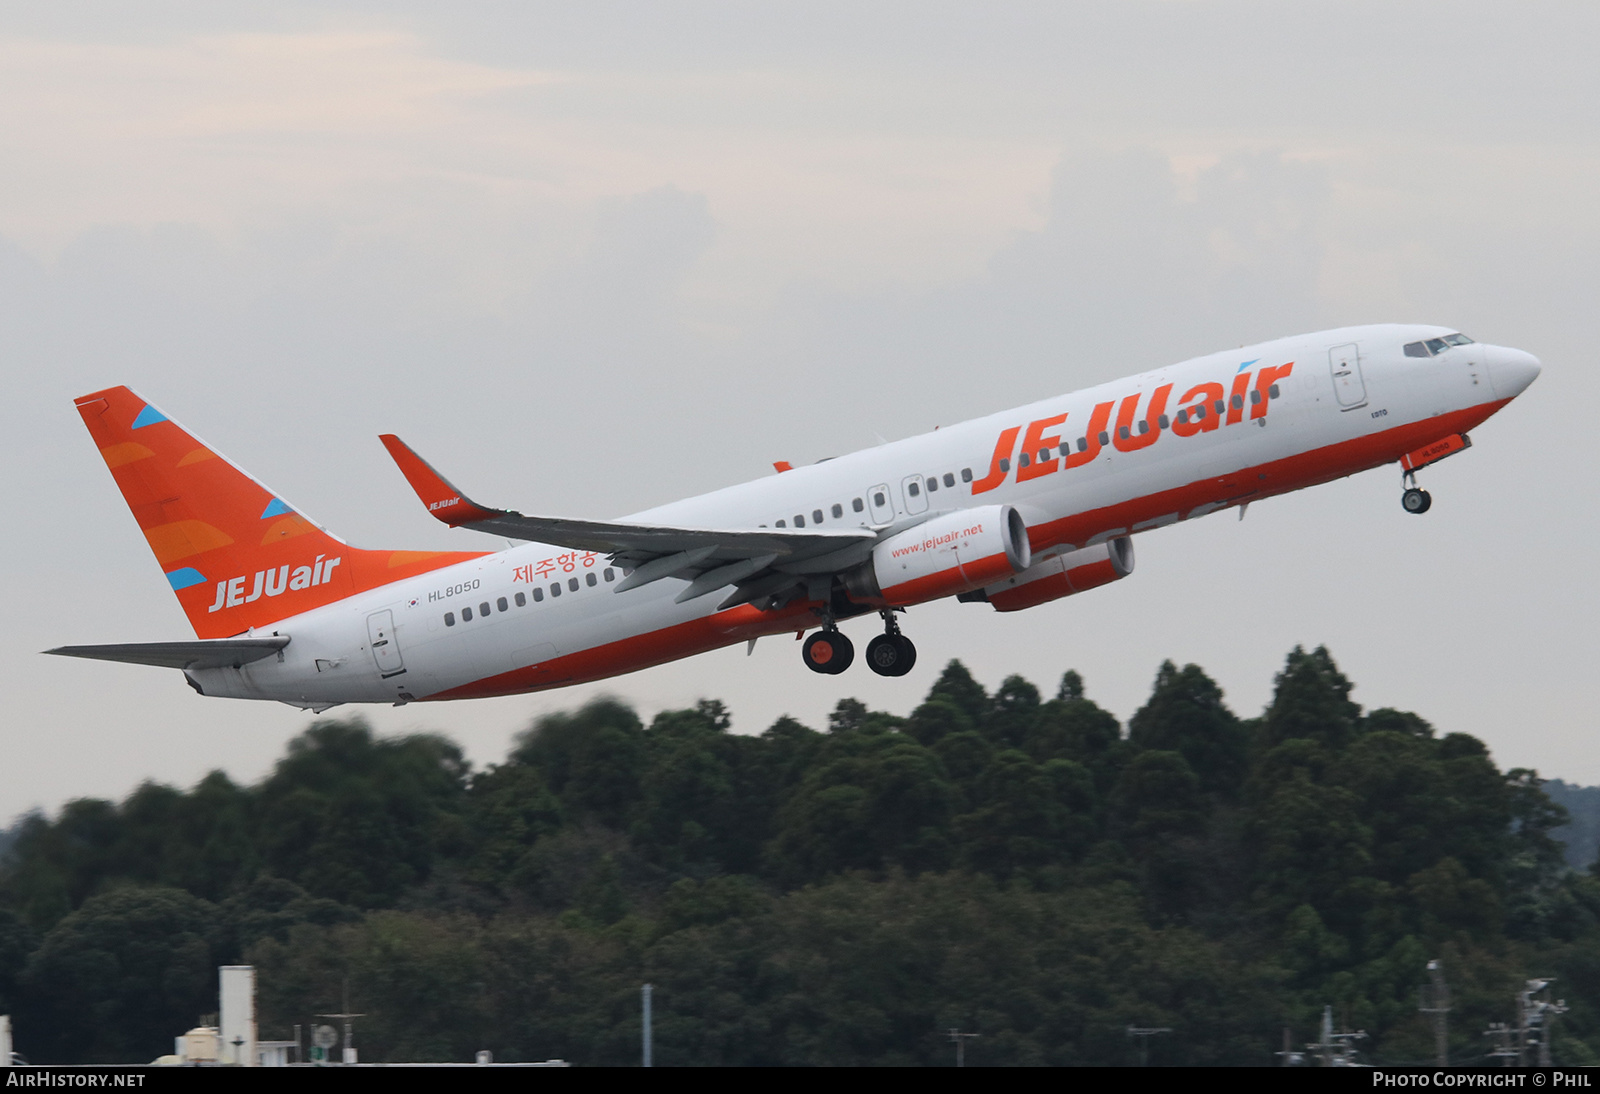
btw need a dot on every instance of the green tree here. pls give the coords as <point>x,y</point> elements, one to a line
<point>592,759</point>
<point>1185,714</point>
<point>114,981</point>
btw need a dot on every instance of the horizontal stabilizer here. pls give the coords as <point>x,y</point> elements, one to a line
<point>214,653</point>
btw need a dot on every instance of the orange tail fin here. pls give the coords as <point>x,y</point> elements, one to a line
<point>236,556</point>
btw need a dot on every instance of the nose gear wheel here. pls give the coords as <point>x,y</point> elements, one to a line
<point>1413,499</point>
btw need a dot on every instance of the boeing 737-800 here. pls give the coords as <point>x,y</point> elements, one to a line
<point>1014,510</point>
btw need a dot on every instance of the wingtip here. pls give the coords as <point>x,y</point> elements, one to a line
<point>441,498</point>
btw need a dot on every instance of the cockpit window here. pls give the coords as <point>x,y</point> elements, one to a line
<point>1436,345</point>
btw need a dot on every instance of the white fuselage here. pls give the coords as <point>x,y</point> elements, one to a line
<point>1324,420</point>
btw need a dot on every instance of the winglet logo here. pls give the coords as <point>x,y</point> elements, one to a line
<point>231,594</point>
<point>434,506</point>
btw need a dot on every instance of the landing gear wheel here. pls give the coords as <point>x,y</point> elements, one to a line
<point>828,652</point>
<point>891,655</point>
<point>1416,501</point>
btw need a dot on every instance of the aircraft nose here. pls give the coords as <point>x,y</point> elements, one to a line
<point>1510,370</point>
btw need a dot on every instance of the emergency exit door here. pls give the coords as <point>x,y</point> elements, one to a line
<point>1345,364</point>
<point>385,651</point>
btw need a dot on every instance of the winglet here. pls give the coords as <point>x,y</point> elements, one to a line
<point>443,500</point>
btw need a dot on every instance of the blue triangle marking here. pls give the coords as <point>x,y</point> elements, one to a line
<point>148,416</point>
<point>1246,365</point>
<point>182,579</point>
<point>275,508</point>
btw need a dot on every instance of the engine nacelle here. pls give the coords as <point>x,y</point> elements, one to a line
<point>951,554</point>
<point>1054,578</point>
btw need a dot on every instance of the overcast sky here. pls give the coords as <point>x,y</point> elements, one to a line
<point>591,258</point>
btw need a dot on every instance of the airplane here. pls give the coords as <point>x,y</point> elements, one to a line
<point>1016,509</point>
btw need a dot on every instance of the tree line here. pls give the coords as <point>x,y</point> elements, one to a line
<point>1020,867</point>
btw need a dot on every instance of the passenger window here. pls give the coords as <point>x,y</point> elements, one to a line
<point>857,504</point>
<point>1104,438</point>
<point>572,583</point>
<point>1122,431</point>
<point>1166,422</point>
<point>1183,417</point>
<point>816,516</point>
<point>591,580</point>
<point>522,600</point>
<point>1272,392</point>
<point>1220,406</point>
<point>1044,454</point>
<point>1238,402</point>
<point>1200,413</point>
<point>611,575</point>
<point>966,474</point>
<point>466,615</point>
<point>914,489</point>
<point>783,524</point>
<point>483,609</point>
<point>1144,426</point>
<point>502,605</point>
<point>538,595</point>
<point>949,479</point>
<point>1005,464</point>
<point>838,510</point>
<point>933,484</point>
<point>555,588</point>
<point>1255,398</point>
<point>1024,460</point>
<point>799,521</point>
<point>449,619</point>
<point>879,500</point>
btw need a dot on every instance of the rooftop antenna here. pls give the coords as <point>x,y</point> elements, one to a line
<point>349,1022</point>
<point>1144,1033</point>
<point>961,1044</point>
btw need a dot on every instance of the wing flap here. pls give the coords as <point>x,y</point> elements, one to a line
<point>206,653</point>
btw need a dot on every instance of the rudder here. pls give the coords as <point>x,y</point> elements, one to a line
<point>235,554</point>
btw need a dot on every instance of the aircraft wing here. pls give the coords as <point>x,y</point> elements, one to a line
<point>204,653</point>
<point>763,563</point>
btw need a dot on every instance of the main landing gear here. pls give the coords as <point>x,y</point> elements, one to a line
<point>1413,499</point>
<point>830,652</point>
<point>891,653</point>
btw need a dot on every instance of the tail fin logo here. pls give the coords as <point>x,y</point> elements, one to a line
<point>231,594</point>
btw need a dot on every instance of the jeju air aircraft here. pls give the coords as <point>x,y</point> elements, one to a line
<point>1014,510</point>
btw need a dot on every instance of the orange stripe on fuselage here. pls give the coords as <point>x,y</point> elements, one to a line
<point>1335,461</point>
<point>746,621</point>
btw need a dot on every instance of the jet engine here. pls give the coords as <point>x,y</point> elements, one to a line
<point>950,554</point>
<point>1063,575</point>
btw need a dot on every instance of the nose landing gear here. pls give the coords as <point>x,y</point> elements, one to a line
<point>891,653</point>
<point>1414,499</point>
